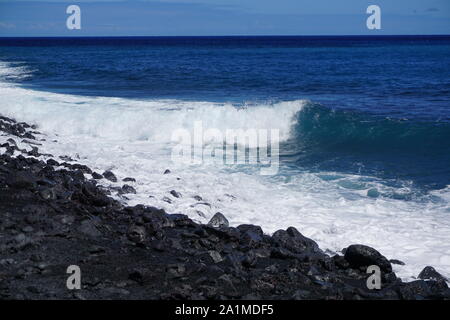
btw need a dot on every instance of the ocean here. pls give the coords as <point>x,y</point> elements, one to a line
<point>364,128</point>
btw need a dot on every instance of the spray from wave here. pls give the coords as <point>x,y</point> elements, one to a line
<point>152,120</point>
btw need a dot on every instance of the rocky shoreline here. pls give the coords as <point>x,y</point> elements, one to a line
<point>53,214</point>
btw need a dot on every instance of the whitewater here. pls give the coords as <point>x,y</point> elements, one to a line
<point>132,138</point>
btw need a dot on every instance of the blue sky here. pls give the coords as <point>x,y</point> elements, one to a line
<point>222,17</point>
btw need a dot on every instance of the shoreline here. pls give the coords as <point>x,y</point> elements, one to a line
<point>52,219</point>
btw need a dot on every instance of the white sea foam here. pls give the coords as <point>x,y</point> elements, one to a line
<point>153,120</point>
<point>132,137</point>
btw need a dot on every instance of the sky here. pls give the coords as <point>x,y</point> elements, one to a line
<point>222,17</point>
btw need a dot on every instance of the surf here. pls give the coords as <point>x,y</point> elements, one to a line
<point>130,137</point>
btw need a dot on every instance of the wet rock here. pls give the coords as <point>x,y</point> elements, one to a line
<point>34,152</point>
<point>66,158</point>
<point>110,176</point>
<point>126,189</point>
<point>294,241</point>
<point>429,273</point>
<point>218,221</point>
<point>96,176</point>
<point>175,194</point>
<point>395,261</point>
<point>166,199</point>
<point>9,151</point>
<point>12,142</point>
<point>82,168</point>
<point>90,195</point>
<point>363,256</point>
<point>52,162</point>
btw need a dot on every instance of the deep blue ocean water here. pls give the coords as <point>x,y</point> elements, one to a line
<point>379,106</point>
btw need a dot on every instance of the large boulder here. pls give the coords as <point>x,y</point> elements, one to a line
<point>294,241</point>
<point>429,273</point>
<point>359,255</point>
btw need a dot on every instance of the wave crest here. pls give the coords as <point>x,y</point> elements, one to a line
<point>156,120</point>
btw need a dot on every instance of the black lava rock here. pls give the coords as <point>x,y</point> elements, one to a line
<point>294,241</point>
<point>110,176</point>
<point>395,261</point>
<point>175,194</point>
<point>218,221</point>
<point>429,273</point>
<point>97,176</point>
<point>127,189</point>
<point>363,256</point>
